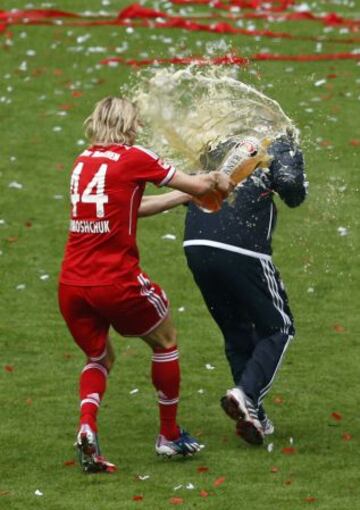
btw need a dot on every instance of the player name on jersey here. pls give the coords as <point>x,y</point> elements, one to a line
<point>89,227</point>
<point>101,154</point>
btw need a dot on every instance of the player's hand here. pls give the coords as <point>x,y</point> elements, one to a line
<point>223,183</point>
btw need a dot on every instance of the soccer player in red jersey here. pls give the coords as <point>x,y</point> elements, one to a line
<point>101,283</point>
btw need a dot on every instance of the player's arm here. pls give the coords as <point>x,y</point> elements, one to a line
<point>155,204</point>
<point>200,184</point>
<point>287,172</point>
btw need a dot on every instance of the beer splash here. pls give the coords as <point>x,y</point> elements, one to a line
<point>192,111</point>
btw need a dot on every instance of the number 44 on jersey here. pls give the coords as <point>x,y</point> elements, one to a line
<point>93,193</point>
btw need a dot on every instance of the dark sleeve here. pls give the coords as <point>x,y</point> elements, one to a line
<point>287,171</point>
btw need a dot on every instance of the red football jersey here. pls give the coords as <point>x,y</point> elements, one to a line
<point>107,184</point>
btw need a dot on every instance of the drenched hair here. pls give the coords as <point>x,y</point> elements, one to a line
<point>114,120</point>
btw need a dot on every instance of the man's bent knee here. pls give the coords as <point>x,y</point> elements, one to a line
<point>109,357</point>
<point>163,336</point>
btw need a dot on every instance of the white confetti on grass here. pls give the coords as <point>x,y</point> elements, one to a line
<point>181,309</point>
<point>319,83</point>
<point>21,286</point>
<point>15,185</point>
<point>134,391</point>
<point>208,366</point>
<point>343,231</point>
<point>44,277</point>
<point>170,237</point>
<point>270,447</point>
<point>83,38</point>
<point>38,493</point>
<point>310,290</point>
<point>143,477</point>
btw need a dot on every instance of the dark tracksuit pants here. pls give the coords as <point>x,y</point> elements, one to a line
<point>247,299</point>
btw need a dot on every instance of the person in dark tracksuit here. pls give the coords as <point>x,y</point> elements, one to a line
<point>229,254</point>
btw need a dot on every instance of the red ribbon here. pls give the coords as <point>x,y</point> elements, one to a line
<point>138,11</point>
<point>34,15</point>
<point>232,59</point>
<point>279,5</point>
<point>148,18</point>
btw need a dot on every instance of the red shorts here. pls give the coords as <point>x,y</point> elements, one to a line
<point>133,308</point>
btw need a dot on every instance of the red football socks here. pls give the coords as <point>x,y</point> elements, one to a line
<point>92,387</point>
<point>166,379</point>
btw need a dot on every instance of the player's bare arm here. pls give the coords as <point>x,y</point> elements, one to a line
<point>155,204</point>
<point>200,184</point>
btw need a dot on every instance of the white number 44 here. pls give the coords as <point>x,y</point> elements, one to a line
<point>88,197</point>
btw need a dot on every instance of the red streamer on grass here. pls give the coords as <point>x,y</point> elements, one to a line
<point>338,328</point>
<point>9,368</point>
<point>176,501</point>
<point>280,5</point>
<point>138,11</point>
<point>329,19</point>
<point>219,481</point>
<point>270,10</point>
<point>34,15</point>
<point>290,450</point>
<point>203,494</point>
<point>202,469</point>
<point>226,28</point>
<point>148,17</point>
<point>138,498</point>
<point>69,463</point>
<point>346,436</point>
<point>231,59</point>
<point>336,416</point>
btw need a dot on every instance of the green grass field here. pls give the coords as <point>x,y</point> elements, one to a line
<point>47,87</point>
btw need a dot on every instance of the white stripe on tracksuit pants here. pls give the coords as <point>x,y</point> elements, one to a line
<point>270,275</point>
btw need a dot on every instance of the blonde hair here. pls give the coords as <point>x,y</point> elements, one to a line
<point>114,120</point>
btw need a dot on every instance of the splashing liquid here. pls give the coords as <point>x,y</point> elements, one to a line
<point>193,111</point>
